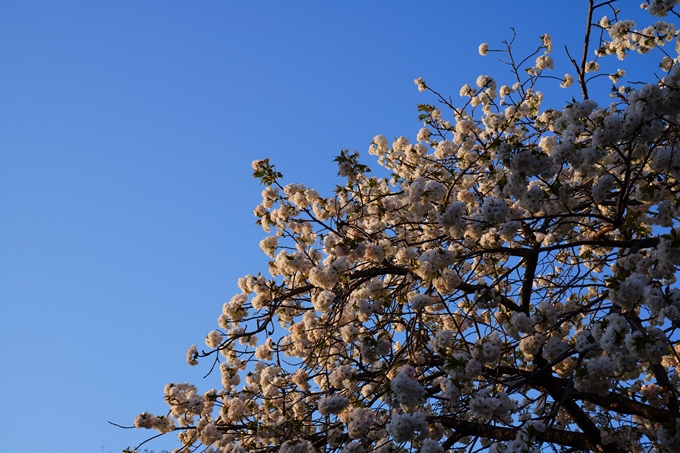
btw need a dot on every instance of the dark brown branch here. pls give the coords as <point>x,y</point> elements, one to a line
<point>659,371</point>
<point>375,271</point>
<point>372,272</point>
<point>505,301</point>
<point>557,436</point>
<point>622,405</point>
<point>584,57</point>
<point>528,283</point>
<point>612,401</point>
<point>395,270</point>
<point>560,393</point>
<point>633,243</point>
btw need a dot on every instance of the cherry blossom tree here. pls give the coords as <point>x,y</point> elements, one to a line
<point>509,286</point>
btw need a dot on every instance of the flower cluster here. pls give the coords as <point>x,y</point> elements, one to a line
<point>505,282</point>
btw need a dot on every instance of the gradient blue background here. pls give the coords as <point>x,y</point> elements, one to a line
<point>127,129</point>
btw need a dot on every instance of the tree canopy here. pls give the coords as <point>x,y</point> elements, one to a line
<point>510,286</point>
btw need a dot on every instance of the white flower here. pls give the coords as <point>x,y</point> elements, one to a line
<point>520,323</point>
<point>530,345</point>
<point>666,63</point>
<point>447,282</point>
<point>268,245</point>
<point>332,404</point>
<point>431,446</point>
<point>301,446</point>
<point>213,339</point>
<point>419,301</point>
<point>423,134</point>
<point>547,43</point>
<point>495,210</point>
<point>453,215</point>
<point>488,349</point>
<point>322,302</point>
<point>467,91</point>
<point>407,392</point>
<point>554,348</point>
<point>340,375</point>
<point>403,427</point>
<point>485,406</point>
<point>592,66</point>
<point>353,447</point>
<point>485,81</point>
<point>568,81</point>
<point>441,339</point>
<point>192,355</point>
<point>629,292</point>
<point>544,62</point>
<point>483,49</point>
<point>361,422</point>
<point>374,253</point>
<point>505,91</point>
<point>444,149</point>
<point>617,76</point>
<point>602,188</point>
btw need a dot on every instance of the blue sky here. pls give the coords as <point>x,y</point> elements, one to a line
<point>127,130</point>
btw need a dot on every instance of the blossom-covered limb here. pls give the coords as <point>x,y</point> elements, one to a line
<point>506,282</point>
<point>572,439</point>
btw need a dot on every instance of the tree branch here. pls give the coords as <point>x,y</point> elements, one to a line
<point>612,401</point>
<point>557,436</point>
<point>584,57</point>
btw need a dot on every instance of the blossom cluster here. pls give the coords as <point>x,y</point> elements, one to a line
<point>507,284</point>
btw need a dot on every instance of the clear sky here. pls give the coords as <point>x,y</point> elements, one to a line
<point>127,129</point>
